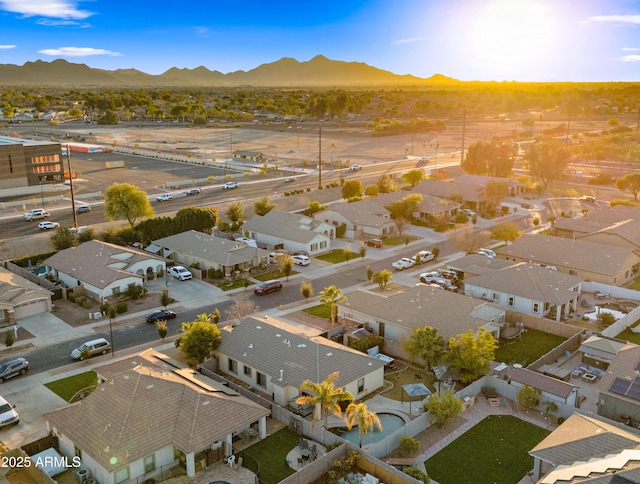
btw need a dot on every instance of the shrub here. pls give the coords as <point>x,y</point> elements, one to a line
<point>79,300</point>
<point>219,274</point>
<point>122,307</point>
<point>86,303</point>
<point>135,292</point>
<point>461,218</point>
<point>367,342</point>
<point>211,273</point>
<point>71,297</point>
<point>341,230</point>
<point>409,445</point>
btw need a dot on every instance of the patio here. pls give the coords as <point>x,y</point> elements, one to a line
<point>306,451</point>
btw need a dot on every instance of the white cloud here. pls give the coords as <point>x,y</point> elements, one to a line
<point>77,52</point>
<point>627,19</point>
<point>629,58</point>
<point>631,49</point>
<point>408,41</point>
<point>7,47</point>
<point>58,23</point>
<point>202,31</point>
<point>45,8</point>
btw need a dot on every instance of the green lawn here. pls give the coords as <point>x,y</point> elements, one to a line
<point>270,454</point>
<point>338,255</point>
<point>320,311</point>
<point>635,285</point>
<point>528,347</point>
<point>398,240</point>
<point>68,387</point>
<point>501,458</point>
<point>407,377</point>
<point>267,276</point>
<point>228,285</point>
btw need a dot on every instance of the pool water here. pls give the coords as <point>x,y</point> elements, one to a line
<point>390,423</point>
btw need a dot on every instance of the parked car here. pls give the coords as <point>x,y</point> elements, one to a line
<point>36,214</point>
<point>159,315</point>
<point>192,191</point>
<point>301,260</point>
<point>447,274</point>
<point>289,180</point>
<point>445,284</point>
<point>83,208</point>
<point>48,225</point>
<point>8,414</point>
<point>301,252</point>
<point>273,256</point>
<point>425,256</point>
<point>267,287</point>
<point>164,197</point>
<point>402,264</point>
<point>355,167</point>
<point>431,279</point>
<point>180,272</point>
<point>425,275</point>
<point>98,346</point>
<point>487,252</point>
<point>374,243</point>
<point>9,369</point>
<point>468,212</point>
<point>229,185</point>
<point>588,199</point>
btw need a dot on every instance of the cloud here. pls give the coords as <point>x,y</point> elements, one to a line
<point>58,23</point>
<point>408,41</point>
<point>77,52</point>
<point>631,49</point>
<point>7,47</point>
<point>629,58</point>
<point>66,9</point>
<point>627,19</point>
<point>202,31</point>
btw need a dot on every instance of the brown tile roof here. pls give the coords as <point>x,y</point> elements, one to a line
<point>145,408</point>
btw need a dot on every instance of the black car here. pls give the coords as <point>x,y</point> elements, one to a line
<point>373,243</point>
<point>159,315</point>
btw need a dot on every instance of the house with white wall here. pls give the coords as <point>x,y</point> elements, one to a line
<point>366,218</point>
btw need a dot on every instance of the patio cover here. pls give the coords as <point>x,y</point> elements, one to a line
<point>415,389</point>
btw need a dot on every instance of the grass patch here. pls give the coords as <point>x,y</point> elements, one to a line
<point>270,454</point>
<point>228,285</point>
<point>502,458</point>
<point>406,377</point>
<point>277,274</point>
<point>319,311</point>
<point>635,285</point>
<point>630,336</point>
<point>528,347</point>
<point>398,240</point>
<point>68,387</point>
<point>338,255</point>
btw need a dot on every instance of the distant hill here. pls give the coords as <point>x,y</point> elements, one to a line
<point>286,72</point>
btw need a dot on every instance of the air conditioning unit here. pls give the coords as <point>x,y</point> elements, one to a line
<point>82,476</point>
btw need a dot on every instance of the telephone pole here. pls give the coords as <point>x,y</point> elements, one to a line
<point>320,158</point>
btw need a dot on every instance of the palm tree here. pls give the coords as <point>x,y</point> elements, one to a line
<point>329,297</point>
<point>360,415</point>
<point>325,395</point>
<point>203,318</point>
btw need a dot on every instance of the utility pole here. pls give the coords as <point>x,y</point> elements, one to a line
<point>73,199</point>
<point>464,126</point>
<point>320,158</point>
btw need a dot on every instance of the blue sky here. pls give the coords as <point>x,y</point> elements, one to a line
<point>521,40</point>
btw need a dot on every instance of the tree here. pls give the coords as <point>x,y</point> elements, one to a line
<point>241,308</point>
<point>347,253</point>
<point>62,238</point>
<point>351,189</point>
<point>409,445</point>
<point>550,407</point>
<point>263,206</point>
<point>161,326</point>
<point>629,183</point>
<point>165,298</point>
<point>386,184</point>
<point>371,191</point>
<point>199,341</point>
<point>495,191</point>
<point>401,224</point>
<point>9,339</point>
<point>492,158</point>
<point>109,117</point>
<point>285,264</point>
<point>471,356</point>
<point>363,250</point>
<point>529,397</point>
<point>360,415</point>
<point>124,200</point>
<point>306,289</point>
<point>405,207</point>
<point>195,218</point>
<point>330,296</point>
<point>507,232</point>
<point>314,207</point>
<point>8,111</point>
<point>443,408</point>
<point>325,396</point>
<point>235,212</point>
<point>436,252</point>
<point>215,316</point>
<point>369,273</point>
<point>418,474</point>
<point>547,160</point>
<point>427,345</point>
<point>605,319</point>
<point>382,278</point>
<point>413,177</point>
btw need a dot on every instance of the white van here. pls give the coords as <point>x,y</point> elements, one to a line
<point>98,346</point>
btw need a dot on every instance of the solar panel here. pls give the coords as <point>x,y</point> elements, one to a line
<point>620,386</point>
<point>634,392</point>
<point>638,366</point>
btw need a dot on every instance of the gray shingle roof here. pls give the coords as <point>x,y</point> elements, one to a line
<point>623,365</point>
<point>542,382</point>
<point>447,189</point>
<point>285,225</point>
<point>271,345</point>
<point>365,212</point>
<point>475,264</point>
<point>16,290</point>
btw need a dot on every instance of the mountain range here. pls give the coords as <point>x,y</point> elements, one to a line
<point>286,72</point>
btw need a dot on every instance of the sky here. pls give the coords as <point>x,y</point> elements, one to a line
<point>486,40</point>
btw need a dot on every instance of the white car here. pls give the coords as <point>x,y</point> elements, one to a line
<point>301,260</point>
<point>180,272</point>
<point>48,225</point>
<point>402,264</point>
<point>487,252</point>
<point>164,197</point>
<point>229,185</point>
<point>425,256</point>
<point>468,212</point>
<point>355,167</point>
<point>8,415</point>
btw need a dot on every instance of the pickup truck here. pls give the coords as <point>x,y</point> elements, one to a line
<point>35,214</point>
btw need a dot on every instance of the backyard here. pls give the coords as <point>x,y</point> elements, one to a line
<point>270,455</point>
<point>407,376</point>
<point>527,347</point>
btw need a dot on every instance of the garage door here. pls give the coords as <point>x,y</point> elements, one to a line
<point>31,309</point>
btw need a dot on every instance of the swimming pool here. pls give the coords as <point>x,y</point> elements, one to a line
<point>390,423</point>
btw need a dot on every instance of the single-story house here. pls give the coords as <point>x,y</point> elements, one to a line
<point>514,187</point>
<point>210,252</point>
<point>529,289</point>
<point>150,414</point>
<point>624,233</point>
<point>20,298</point>
<point>275,358</point>
<point>608,264</point>
<point>471,196</point>
<point>290,231</point>
<point>394,315</point>
<point>366,218</point>
<point>431,207</point>
<point>619,388</point>
<point>104,269</point>
<point>551,389</point>
<point>471,265</point>
<point>587,448</point>
<point>247,155</point>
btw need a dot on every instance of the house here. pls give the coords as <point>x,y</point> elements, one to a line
<point>625,233</point>
<point>150,414</point>
<point>275,358</point>
<point>394,315</point>
<point>248,155</point>
<point>472,265</point>
<point>514,187</point>
<point>587,448</point>
<point>528,289</point>
<point>209,252</point>
<point>366,218</point>
<point>550,388</point>
<point>104,269</point>
<point>431,207</point>
<point>608,264</point>
<point>290,231</point>
<point>20,298</point>
<point>471,196</point>
<point>619,388</point>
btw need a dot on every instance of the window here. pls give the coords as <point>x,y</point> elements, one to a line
<point>323,244</point>
<point>149,463</point>
<point>495,296</point>
<point>511,301</point>
<point>381,328</point>
<point>536,307</point>
<point>121,475</point>
<point>573,272</point>
<point>247,370</point>
<point>261,379</point>
<point>233,366</point>
<point>361,385</point>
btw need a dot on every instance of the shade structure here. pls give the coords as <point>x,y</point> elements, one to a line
<point>415,390</point>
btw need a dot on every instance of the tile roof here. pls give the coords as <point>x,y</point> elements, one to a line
<point>277,349</point>
<point>207,247</point>
<point>288,226</point>
<point>447,189</point>
<point>615,214</point>
<point>531,282</point>
<point>482,180</point>
<point>542,382</point>
<point>16,290</point>
<point>414,307</point>
<point>623,365</point>
<point>98,263</point>
<point>626,230</point>
<point>367,212</point>
<point>145,408</point>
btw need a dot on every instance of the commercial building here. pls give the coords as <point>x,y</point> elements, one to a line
<point>27,163</point>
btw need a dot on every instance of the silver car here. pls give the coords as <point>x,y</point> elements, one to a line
<point>9,369</point>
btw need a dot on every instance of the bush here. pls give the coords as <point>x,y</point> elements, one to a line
<point>219,274</point>
<point>211,273</point>
<point>79,300</point>
<point>135,292</point>
<point>461,218</point>
<point>71,298</point>
<point>86,303</point>
<point>341,230</point>
<point>122,307</point>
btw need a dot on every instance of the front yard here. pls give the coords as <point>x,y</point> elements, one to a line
<point>67,388</point>
<point>338,255</point>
